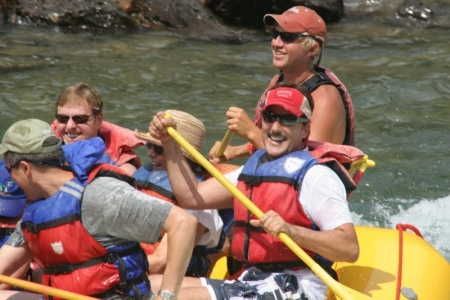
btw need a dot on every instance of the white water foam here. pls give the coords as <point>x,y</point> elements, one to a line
<point>430,217</point>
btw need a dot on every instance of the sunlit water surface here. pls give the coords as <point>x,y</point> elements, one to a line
<point>398,79</point>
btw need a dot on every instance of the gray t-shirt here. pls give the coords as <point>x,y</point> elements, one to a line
<point>112,211</point>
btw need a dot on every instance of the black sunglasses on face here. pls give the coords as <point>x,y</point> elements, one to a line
<point>29,161</point>
<point>11,167</point>
<point>288,37</point>
<point>285,120</point>
<point>157,149</point>
<point>77,119</point>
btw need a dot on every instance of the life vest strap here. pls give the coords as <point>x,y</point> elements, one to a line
<point>69,268</point>
<point>248,225</point>
<point>109,173</point>
<point>317,80</point>
<point>119,294</point>
<point>156,188</point>
<point>6,231</point>
<point>33,228</point>
<point>257,180</point>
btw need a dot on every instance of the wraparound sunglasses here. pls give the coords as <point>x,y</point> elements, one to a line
<point>77,119</point>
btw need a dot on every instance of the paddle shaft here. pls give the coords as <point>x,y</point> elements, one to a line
<point>225,142</point>
<point>42,289</point>
<point>341,291</point>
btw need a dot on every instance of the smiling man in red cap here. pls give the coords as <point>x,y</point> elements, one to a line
<point>298,38</point>
<point>300,197</point>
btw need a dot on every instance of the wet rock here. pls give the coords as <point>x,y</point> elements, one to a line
<point>73,14</point>
<point>250,13</point>
<point>232,21</point>
<point>187,17</point>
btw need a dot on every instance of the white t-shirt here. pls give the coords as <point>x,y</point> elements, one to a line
<point>322,196</point>
<point>209,218</point>
<point>213,223</point>
<point>324,200</point>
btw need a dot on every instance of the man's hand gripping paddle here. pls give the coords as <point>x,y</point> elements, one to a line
<point>341,291</point>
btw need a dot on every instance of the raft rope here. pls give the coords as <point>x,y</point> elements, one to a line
<point>401,228</point>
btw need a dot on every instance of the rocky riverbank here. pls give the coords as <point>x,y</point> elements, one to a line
<point>230,21</point>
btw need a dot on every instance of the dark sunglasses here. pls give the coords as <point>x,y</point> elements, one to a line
<point>157,149</point>
<point>285,120</point>
<point>77,119</point>
<point>288,37</point>
<point>11,167</point>
<point>29,161</point>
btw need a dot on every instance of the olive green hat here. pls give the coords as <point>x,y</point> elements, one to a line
<point>27,137</point>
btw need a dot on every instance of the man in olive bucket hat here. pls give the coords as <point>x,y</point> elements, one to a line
<point>152,178</point>
<point>106,218</point>
<point>298,38</point>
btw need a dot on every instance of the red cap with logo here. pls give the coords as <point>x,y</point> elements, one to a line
<point>299,19</point>
<point>290,99</point>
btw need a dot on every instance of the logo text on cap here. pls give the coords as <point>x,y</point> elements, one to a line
<point>284,93</point>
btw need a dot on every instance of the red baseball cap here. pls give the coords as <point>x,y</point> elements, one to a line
<point>299,19</point>
<point>290,99</point>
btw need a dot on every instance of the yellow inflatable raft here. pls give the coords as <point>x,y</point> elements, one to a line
<point>393,264</point>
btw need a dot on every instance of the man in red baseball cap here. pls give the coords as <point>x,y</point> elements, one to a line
<point>298,195</point>
<point>298,38</point>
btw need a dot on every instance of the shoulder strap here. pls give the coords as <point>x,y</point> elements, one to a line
<point>107,170</point>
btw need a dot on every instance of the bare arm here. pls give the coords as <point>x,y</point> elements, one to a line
<point>158,259</point>
<point>128,168</point>
<point>179,243</point>
<point>328,122</point>
<point>339,244</point>
<point>14,261</point>
<point>189,192</point>
<point>241,124</point>
<point>230,153</point>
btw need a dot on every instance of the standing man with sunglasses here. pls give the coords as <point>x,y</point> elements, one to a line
<point>79,116</point>
<point>300,197</point>
<point>298,37</point>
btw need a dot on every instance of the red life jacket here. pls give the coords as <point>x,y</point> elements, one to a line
<point>266,184</point>
<point>322,77</point>
<point>72,259</point>
<point>271,187</point>
<point>338,158</point>
<point>119,143</point>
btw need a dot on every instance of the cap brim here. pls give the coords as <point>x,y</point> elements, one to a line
<point>305,110</point>
<point>285,22</point>
<point>145,136</point>
<point>3,149</point>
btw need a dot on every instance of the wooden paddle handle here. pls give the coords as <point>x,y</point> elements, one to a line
<point>42,289</point>
<point>341,291</point>
<point>225,142</point>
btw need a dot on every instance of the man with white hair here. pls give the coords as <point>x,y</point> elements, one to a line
<point>300,197</point>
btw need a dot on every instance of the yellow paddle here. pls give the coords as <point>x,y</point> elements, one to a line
<point>42,289</point>
<point>341,291</point>
<point>225,141</point>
